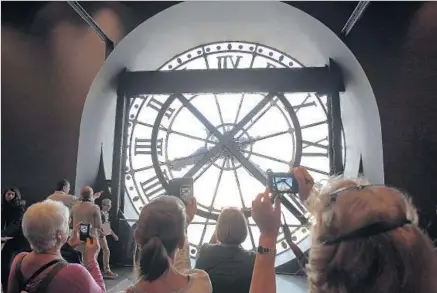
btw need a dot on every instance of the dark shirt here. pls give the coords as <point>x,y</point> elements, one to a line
<point>12,216</point>
<point>11,220</point>
<point>229,267</point>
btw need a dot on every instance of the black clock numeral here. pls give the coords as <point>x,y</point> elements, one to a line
<point>143,146</point>
<point>228,61</point>
<point>157,105</point>
<point>313,124</point>
<point>304,105</point>
<point>317,144</point>
<point>152,187</point>
<point>316,170</point>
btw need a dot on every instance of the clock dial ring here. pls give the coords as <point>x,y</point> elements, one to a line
<point>207,213</point>
<point>313,150</point>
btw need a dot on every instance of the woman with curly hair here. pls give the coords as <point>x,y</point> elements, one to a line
<point>365,239</point>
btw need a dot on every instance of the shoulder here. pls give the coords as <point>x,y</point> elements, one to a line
<point>74,276</point>
<point>74,272</point>
<point>18,257</point>
<point>96,208</point>
<point>200,281</point>
<point>208,247</point>
<point>250,253</point>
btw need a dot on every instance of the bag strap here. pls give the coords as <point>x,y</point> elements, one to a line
<point>45,282</point>
<point>41,269</point>
<point>22,283</point>
<point>19,274</point>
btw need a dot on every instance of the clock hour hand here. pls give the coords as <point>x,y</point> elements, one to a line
<point>179,163</point>
<point>244,141</point>
<point>259,169</point>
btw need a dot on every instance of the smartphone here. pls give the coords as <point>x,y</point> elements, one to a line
<point>280,183</point>
<point>84,231</point>
<point>182,188</point>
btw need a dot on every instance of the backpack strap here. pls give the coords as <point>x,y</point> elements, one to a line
<point>41,269</point>
<point>22,283</point>
<point>45,282</point>
<point>19,274</point>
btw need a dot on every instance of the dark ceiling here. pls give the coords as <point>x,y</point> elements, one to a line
<point>22,15</point>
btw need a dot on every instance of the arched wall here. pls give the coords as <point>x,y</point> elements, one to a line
<point>189,24</point>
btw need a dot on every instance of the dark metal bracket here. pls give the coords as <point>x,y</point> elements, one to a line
<point>335,127</point>
<point>355,16</point>
<point>109,44</point>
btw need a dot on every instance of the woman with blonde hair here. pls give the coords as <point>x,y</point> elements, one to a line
<point>45,226</point>
<point>228,265</point>
<point>365,239</point>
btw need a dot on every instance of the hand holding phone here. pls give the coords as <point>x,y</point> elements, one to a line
<point>280,183</point>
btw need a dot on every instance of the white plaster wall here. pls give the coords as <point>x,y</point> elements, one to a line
<point>189,24</point>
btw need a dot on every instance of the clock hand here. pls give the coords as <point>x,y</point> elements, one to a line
<point>258,168</point>
<point>179,163</point>
<point>244,141</point>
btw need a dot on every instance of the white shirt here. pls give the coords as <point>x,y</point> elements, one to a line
<point>199,283</point>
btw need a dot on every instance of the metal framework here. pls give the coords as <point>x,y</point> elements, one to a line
<point>119,157</point>
<point>285,80</point>
<point>321,80</point>
<point>355,16</point>
<point>109,44</point>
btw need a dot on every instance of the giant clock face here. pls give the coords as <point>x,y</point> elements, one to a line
<point>226,142</point>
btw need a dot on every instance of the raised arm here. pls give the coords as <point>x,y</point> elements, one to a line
<point>182,256</point>
<point>268,219</point>
<point>90,261</point>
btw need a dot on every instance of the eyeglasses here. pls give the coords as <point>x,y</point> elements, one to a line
<point>335,194</point>
<point>366,231</point>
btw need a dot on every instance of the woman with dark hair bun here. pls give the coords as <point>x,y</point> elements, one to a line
<point>160,232</point>
<point>12,233</point>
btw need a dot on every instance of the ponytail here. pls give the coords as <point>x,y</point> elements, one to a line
<point>153,259</point>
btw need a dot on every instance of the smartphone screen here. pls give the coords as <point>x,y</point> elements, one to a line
<point>283,183</point>
<point>186,192</point>
<point>84,231</point>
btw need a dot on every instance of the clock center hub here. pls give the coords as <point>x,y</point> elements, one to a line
<point>241,140</point>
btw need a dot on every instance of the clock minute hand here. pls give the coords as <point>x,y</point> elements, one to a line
<point>179,163</point>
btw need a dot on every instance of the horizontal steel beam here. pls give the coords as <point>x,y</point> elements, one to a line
<point>307,79</point>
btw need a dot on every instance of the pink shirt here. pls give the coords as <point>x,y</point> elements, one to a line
<point>74,278</point>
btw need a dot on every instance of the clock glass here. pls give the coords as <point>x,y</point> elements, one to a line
<point>225,141</point>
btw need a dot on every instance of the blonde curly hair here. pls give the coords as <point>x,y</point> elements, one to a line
<point>397,261</point>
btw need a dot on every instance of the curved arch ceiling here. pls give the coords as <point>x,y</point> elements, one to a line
<point>190,24</point>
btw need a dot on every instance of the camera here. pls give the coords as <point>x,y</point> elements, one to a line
<point>84,231</point>
<point>280,183</point>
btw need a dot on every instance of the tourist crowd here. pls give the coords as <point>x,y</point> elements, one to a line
<point>365,238</point>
